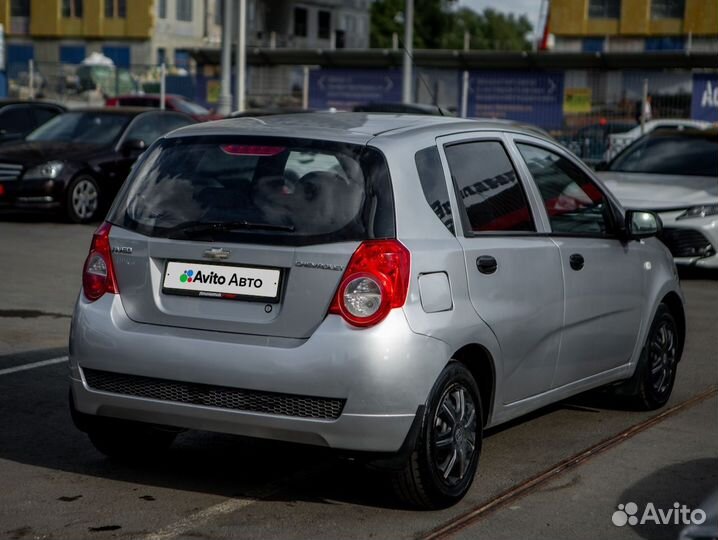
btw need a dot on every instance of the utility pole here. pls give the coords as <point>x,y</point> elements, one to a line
<point>465,80</point>
<point>224,105</point>
<point>408,76</point>
<point>241,54</point>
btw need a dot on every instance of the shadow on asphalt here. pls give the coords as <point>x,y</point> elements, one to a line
<point>39,432</point>
<point>686,483</point>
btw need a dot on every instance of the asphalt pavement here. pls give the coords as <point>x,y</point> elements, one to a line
<point>55,485</point>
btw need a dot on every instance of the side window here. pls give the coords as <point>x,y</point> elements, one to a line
<point>43,114</point>
<point>573,202</point>
<point>433,183</point>
<point>15,121</point>
<point>488,187</point>
<point>170,122</point>
<point>147,127</point>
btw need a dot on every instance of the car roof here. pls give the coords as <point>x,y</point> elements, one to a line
<point>353,127</point>
<point>152,96</point>
<point>9,101</point>
<point>688,132</point>
<point>125,111</point>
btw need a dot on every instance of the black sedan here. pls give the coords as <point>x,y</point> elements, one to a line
<point>77,161</point>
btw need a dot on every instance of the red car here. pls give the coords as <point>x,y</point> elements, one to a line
<point>173,102</point>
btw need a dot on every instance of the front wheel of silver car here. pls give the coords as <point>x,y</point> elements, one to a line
<point>127,440</point>
<point>652,383</point>
<point>443,464</point>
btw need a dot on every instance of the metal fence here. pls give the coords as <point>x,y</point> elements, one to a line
<point>580,107</point>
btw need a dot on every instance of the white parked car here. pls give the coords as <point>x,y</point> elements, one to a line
<point>619,141</point>
<point>674,173</point>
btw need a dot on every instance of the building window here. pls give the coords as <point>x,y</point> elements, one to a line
<point>20,8</point>
<point>72,8</point>
<point>184,10</point>
<point>115,9</point>
<point>162,9</point>
<point>604,9</point>
<point>325,24</point>
<point>668,9</point>
<point>300,22</point>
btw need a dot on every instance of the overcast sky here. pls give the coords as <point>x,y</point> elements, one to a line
<point>530,8</point>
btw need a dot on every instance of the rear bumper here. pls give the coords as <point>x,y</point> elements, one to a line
<point>384,374</point>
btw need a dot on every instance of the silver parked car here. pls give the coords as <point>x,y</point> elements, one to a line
<point>674,173</point>
<point>385,284</point>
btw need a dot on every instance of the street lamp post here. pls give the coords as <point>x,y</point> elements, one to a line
<point>241,55</point>
<point>224,104</point>
<point>408,77</point>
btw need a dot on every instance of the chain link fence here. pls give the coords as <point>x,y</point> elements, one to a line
<point>584,109</point>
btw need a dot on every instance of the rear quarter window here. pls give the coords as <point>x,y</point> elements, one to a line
<point>433,184</point>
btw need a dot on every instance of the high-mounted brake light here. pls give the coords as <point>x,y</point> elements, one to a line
<point>98,276</point>
<point>375,281</point>
<point>251,150</point>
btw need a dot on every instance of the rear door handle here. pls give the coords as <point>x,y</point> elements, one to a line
<point>486,264</point>
<point>576,261</point>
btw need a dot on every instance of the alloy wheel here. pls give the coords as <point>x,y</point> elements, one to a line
<point>84,199</point>
<point>662,357</point>
<point>454,434</point>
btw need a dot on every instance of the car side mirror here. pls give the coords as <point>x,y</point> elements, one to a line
<point>642,224</point>
<point>133,146</point>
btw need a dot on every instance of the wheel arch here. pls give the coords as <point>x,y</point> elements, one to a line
<point>675,305</point>
<point>479,361</point>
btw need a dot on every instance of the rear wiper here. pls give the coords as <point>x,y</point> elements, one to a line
<point>194,228</point>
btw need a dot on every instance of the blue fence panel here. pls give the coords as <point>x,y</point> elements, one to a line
<point>345,88</point>
<point>534,98</point>
<point>704,102</point>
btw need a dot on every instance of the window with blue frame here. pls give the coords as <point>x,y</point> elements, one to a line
<point>17,58</point>
<point>665,43</point>
<point>72,54</point>
<point>592,45</point>
<point>120,55</point>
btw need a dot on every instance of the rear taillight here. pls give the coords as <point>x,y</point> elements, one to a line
<point>112,102</point>
<point>375,281</point>
<point>98,276</point>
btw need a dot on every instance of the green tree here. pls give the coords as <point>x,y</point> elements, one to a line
<point>438,24</point>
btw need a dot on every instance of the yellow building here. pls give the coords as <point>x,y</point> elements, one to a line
<point>634,25</point>
<point>130,32</point>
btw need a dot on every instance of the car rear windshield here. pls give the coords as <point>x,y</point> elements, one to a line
<point>259,190</point>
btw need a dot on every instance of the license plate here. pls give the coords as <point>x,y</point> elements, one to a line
<point>222,281</point>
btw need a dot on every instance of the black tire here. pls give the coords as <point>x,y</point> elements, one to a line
<point>129,441</point>
<point>652,383</point>
<point>83,199</point>
<point>429,479</point>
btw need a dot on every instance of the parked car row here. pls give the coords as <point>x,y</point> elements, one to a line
<point>76,161</point>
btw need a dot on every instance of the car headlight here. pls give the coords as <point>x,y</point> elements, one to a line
<point>700,211</point>
<point>48,170</point>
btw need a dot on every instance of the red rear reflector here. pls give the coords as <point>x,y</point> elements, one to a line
<point>2,190</point>
<point>251,150</point>
<point>98,276</point>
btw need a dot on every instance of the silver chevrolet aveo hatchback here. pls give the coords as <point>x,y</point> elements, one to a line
<point>389,285</point>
